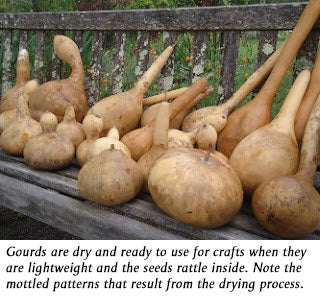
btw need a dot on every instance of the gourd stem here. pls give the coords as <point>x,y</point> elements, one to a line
<point>310,145</point>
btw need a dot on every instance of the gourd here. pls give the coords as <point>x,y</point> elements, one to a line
<point>152,100</point>
<point>49,150</point>
<point>289,205</point>
<point>195,188</point>
<point>70,128</point>
<point>257,112</point>
<point>56,95</point>
<point>104,143</point>
<point>308,101</point>
<point>124,110</point>
<point>110,178</point>
<point>217,115</point>
<point>150,114</point>
<point>160,143</point>
<point>8,103</point>
<point>11,97</point>
<point>178,138</point>
<point>14,138</point>
<point>272,150</point>
<point>139,141</point>
<point>92,126</point>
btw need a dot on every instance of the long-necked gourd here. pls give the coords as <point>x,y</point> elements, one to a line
<point>195,188</point>
<point>308,101</point>
<point>217,115</point>
<point>271,150</point>
<point>49,150</point>
<point>257,112</point>
<point>14,138</point>
<point>10,98</point>
<point>56,95</point>
<point>70,128</point>
<point>139,141</point>
<point>8,103</point>
<point>124,110</point>
<point>110,178</point>
<point>160,143</point>
<point>92,127</point>
<point>151,113</point>
<point>289,205</point>
<point>152,100</point>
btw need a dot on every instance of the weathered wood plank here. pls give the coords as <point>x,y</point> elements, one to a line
<point>143,45</point>
<point>199,46</point>
<point>77,37</point>
<point>6,82</point>
<point>166,76</point>
<point>230,49</point>
<point>307,53</point>
<point>118,63</point>
<point>253,17</point>
<point>39,54</point>
<point>23,40</point>
<point>73,216</point>
<point>56,62</point>
<point>95,68</point>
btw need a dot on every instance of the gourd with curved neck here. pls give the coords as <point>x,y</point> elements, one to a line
<point>55,96</point>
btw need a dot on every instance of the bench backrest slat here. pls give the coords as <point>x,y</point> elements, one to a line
<point>39,61</point>
<point>6,61</point>
<point>23,39</point>
<point>142,52</point>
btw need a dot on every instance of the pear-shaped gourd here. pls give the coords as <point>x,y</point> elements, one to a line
<point>308,101</point>
<point>70,128</point>
<point>257,112</point>
<point>124,110</point>
<point>217,116</point>
<point>178,138</point>
<point>160,143</point>
<point>10,98</point>
<point>139,141</point>
<point>92,126</point>
<point>195,188</point>
<point>105,143</point>
<point>56,95</point>
<point>49,150</point>
<point>14,138</point>
<point>150,114</point>
<point>272,150</point>
<point>110,178</point>
<point>289,206</point>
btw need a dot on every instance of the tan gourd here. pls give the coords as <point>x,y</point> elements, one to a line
<point>7,118</point>
<point>49,150</point>
<point>272,150</point>
<point>217,115</point>
<point>105,143</point>
<point>257,112</point>
<point>195,188</point>
<point>160,143</point>
<point>139,141</point>
<point>10,98</point>
<point>308,101</point>
<point>178,138</point>
<point>124,110</point>
<point>56,95</point>
<point>289,206</point>
<point>150,114</point>
<point>92,126</point>
<point>14,138</point>
<point>70,128</point>
<point>110,178</point>
<point>152,100</point>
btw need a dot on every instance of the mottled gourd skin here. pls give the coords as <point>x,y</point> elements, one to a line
<point>193,190</point>
<point>110,178</point>
<point>287,206</point>
<point>49,151</point>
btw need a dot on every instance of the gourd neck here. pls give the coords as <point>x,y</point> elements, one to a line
<point>23,108</point>
<point>310,145</point>
<point>69,115</point>
<point>113,134</point>
<point>23,68</point>
<point>286,116</point>
<point>161,127</point>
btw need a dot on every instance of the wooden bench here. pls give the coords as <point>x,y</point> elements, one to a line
<point>53,197</point>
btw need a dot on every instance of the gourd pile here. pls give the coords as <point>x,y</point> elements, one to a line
<point>198,166</point>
